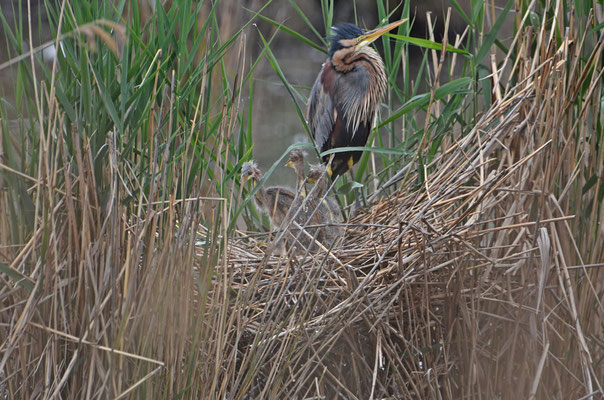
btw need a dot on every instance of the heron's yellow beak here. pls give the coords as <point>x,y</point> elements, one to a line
<point>289,163</point>
<point>249,177</point>
<point>371,36</point>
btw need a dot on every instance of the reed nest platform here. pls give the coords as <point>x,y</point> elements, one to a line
<point>459,285</point>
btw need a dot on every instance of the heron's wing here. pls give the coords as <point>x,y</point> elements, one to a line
<point>321,108</point>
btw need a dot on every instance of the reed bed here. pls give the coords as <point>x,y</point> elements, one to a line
<point>131,265</point>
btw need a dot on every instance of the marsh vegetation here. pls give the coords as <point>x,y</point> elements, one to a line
<point>135,264</point>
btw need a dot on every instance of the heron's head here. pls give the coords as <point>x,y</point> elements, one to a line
<point>354,39</point>
<point>316,173</point>
<point>249,170</point>
<point>296,157</point>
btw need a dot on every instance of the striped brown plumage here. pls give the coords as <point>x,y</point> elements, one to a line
<point>345,96</point>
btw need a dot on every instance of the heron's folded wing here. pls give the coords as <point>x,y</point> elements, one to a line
<point>321,108</point>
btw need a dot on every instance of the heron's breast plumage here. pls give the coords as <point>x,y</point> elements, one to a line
<point>360,84</point>
<point>343,102</point>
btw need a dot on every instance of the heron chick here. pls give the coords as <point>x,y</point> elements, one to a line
<point>276,201</point>
<point>327,207</point>
<point>285,210</point>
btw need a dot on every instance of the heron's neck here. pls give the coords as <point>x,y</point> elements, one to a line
<point>301,178</point>
<point>321,185</point>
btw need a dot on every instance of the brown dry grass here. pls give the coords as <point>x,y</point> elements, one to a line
<point>483,281</point>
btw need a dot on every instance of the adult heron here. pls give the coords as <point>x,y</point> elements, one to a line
<point>344,99</point>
